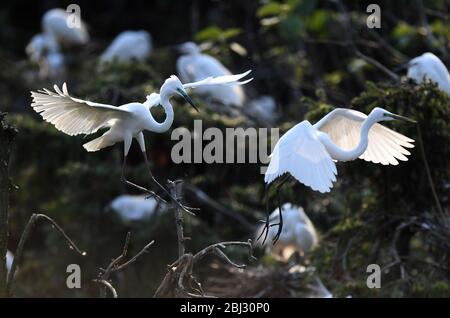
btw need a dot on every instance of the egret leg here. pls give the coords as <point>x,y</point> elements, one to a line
<point>266,227</point>
<point>280,223</point>
<point>124,179</point>
<point>186,209</point>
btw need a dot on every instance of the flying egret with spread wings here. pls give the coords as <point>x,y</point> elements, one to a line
<point>75,116</point>
<point>308,152</point>
<point>429,67</point>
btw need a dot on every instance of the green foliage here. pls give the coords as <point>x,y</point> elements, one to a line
<point>214,33</point>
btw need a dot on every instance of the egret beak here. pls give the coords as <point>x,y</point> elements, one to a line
<point>187,98</point>
<point>398,117</point>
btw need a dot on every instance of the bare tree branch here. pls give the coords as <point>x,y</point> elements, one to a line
<point>104,275</point>
<point>26,233</point>
<point>107,285</point>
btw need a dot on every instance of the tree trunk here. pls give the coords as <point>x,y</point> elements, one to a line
<point>7,133</point>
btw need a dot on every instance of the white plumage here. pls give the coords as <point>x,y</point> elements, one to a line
<point>194,66</point>
<point>132,208</point>
<point>298,233</point>
<point>40,45</point>
<point>44,49</point>
<point>308,152</point>
<point>429,66</point>
<point>9,260</point>
<point>54,23</point>
<point>129,45</point>
<point>75,116</point>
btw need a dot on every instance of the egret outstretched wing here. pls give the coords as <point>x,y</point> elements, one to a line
<point>300,153</point>
<point>71,115</point>
<point>220,80</point>
<point>154,99</point>
<point>385,145</point>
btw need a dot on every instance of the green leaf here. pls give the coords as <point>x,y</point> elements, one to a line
<point>271,8</point>
<point>214,33</point>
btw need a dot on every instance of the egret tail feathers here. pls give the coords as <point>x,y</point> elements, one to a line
<point>97,144</point>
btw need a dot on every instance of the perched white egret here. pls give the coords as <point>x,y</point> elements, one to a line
<point>127,46</point>
<point>195,66</point>
<point>9,260</point>
<point>44,50</point>
<point>429,67</point>
<point>308,152</point>
<point>54,23</point>
<point>134,208</point>
<point>75,116</point>
<point>298,234</point>
<point>40,45</point>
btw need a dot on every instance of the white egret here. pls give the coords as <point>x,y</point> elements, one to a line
<point>134,208</point>
<point>127,46</point>
<point>308,152</point>
<point>75,116</point>
<point>40,45</point>
<point>44,50</point>
<point>54,23</point>
<point>298,234</point>
<point>195,66</point>
<point>429,67</point>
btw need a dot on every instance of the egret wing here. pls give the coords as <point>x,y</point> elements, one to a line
<point>220,80</point>
<point>300,153</point>
<point>385,145</point>
<point>154,99</point>
<point>71,115</point>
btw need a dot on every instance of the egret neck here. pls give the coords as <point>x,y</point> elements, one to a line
<point>162,127</point>
<point>338,153</point>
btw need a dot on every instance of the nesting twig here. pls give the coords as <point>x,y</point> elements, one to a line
<point>216,249</point>
<point>104,275</point>
<point>26,233</point>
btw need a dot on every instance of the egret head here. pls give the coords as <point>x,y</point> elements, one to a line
<point>173,86</point>
<point>188,48</point>
<point>421,66</point>
<point>380,114</point>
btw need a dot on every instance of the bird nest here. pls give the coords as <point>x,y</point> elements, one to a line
<point>287,280</point>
